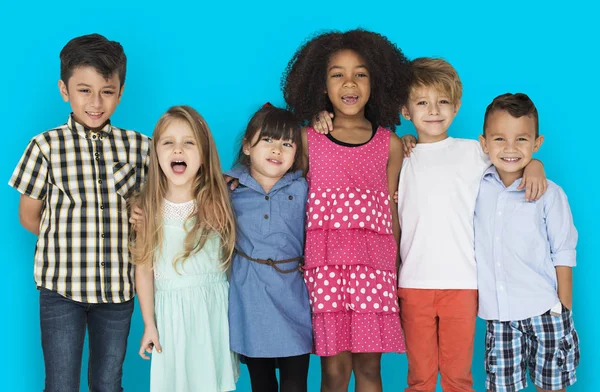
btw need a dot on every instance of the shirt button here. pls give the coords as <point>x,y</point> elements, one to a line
<point>97,154</point>
<point>501,288</point>
<point>102,263</point>
<point>498,264</point>
<point>101,207</point>
<point>499,213</point>
<point>99,181</point>
<point>97,158</point>
<point>291,197</point>
<point>497,238</point>
<point>102,235</point>
<point>266,197</point>
<point>266,216</point>
<point>93,136</point>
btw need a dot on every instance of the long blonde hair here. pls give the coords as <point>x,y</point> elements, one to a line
<point>212,213</point>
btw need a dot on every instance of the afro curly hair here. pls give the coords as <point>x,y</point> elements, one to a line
<point>304,79</point>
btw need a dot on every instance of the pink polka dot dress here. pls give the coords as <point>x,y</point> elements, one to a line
<point>350,255</point>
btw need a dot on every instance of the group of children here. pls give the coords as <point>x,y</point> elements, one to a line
<point>302,252</point>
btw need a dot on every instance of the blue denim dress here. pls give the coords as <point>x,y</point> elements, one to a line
<point>269,312</point>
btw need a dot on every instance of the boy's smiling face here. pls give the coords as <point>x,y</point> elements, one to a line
<point>510,142</point>
<point>93,98</point>
<point>431,111</point>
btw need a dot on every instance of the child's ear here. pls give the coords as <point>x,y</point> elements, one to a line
<point>405,112</point>
<point>483,144</point>
<point>64,91</point>
<point>245,147</point>
<point>538,143</point>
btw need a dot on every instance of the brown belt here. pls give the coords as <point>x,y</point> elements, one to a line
<point>274,263</point>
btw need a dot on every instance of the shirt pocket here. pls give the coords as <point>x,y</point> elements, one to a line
<point>292,206</point>
<point>125,178</point>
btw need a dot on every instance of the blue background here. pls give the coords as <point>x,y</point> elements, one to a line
<point>226,60</point>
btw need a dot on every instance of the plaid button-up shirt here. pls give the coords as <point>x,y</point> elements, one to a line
<point>84,178</point>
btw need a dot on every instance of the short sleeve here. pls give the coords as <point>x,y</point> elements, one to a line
<point>562,234</point>
<point>31,174</point>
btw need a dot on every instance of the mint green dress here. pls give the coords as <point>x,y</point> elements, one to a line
<point>190,307</point>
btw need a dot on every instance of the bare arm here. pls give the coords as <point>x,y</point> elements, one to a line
<point>144,282</point>
<point>30,213</point>
<point>393,173</point>
<point>534,180</point>
<point>564,276</point>
<point>304,155</point>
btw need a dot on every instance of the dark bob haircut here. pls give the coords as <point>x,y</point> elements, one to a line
<point>274,123</point>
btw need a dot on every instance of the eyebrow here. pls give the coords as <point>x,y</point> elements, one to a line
<point>340,67</point>
<point>87,85</point>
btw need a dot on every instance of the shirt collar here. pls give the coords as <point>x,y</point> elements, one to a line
<point>242,173</point>
<point>492,174</point>
<point>86,132</point>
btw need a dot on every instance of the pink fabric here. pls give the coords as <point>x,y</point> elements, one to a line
<point>350,255</point>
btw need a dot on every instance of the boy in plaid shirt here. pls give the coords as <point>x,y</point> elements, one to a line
<point>74,182</point>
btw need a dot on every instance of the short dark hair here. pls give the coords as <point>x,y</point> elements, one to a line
<point>517,105</point>
<point>274,123</point>
<point>93,50</point>
<point>304,80</point>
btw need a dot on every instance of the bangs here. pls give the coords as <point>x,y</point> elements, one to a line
<point>280,125</point>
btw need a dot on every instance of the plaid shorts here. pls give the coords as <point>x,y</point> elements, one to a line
<point>547,345</point>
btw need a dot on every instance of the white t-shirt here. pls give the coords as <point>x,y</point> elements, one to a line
<point>437,191</point>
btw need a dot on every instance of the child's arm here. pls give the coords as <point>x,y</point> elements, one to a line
<point>30,213</point>
<point>323,122</point>
<point>144,282</point>
<point>393,173</point>
<point>564,277</point>
<point>534,180</point>
<point>562,237</point>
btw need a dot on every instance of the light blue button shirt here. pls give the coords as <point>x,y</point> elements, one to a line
<point>518,244</point>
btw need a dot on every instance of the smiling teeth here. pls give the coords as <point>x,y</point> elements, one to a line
<point>511,159</point>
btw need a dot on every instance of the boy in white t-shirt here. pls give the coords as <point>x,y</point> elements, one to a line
<point>437,190</point>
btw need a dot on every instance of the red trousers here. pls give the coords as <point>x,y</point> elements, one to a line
<point>439,329</point>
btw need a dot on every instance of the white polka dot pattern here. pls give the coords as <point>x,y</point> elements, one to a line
<point>350,251</point>
<point>349,208</point>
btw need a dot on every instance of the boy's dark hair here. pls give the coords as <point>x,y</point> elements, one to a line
<point>274,123</point>
<point>93,50</point>
<point>517,105</point>
<point>303,82</point>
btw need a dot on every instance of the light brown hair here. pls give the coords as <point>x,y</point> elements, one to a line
<point>212,213</point>
<point>436,73</point>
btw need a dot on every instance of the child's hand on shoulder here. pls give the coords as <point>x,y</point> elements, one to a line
<point>231,182</point>
<point>149,341</point>
<point>408,143</point>
<point>136,217</point>
<point>534,181</point>
<point>322,122</point>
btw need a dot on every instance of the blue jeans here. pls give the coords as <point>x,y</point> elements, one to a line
<point>63,323</point>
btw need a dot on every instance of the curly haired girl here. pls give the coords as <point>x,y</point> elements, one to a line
<point>352,231</point>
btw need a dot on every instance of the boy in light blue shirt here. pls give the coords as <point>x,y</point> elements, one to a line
<point>525,252</point>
